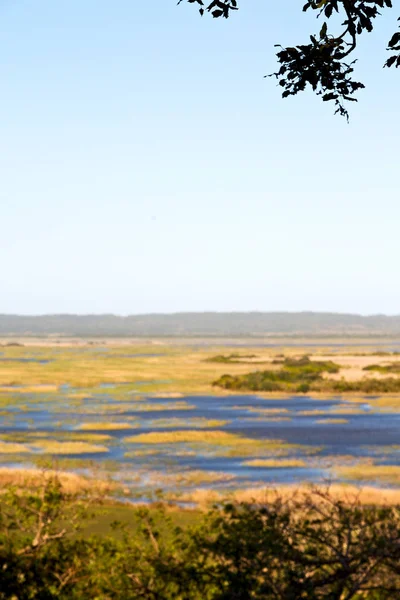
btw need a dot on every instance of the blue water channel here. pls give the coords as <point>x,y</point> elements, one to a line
<point>362,435</point>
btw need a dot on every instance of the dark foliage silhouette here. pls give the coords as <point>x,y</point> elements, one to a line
<point>324,64</point>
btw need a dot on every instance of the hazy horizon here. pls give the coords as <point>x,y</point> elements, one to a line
<point>190,312</point>
<point>214,324</point>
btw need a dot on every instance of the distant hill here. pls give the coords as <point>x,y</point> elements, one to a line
<point>201,324</point>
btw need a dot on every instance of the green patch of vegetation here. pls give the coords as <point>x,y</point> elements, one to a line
<point>391,368</point>
<point>189,478</point>
<point>103,519</point>
<point>304,375</point>
<point>295,375</point>
<point>230,358</point>
<point>365,386</point>
<point>143,452</point>
<point>306,366</point>
<point>63,463</point>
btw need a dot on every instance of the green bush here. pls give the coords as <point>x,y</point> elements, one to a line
<point>295,375</point>
<point>391,368</point>
<point>367,386</point>
<point>230,358</point>
<point>304,375</point>
<point>314,548</point>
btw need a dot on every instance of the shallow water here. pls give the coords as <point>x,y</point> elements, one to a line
<point>57,414</point>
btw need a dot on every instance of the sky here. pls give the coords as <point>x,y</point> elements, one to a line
<point>146,165</point>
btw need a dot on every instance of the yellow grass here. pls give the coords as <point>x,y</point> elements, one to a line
<point>105,426</point>
<point>70,482</point>
<point>28,437</point>
<point>383,473</point>
<point>55,447</point>
<point>185,370</point>
<point>220,443</point>
<point>13,448</point>
<point>221,438</point>
<point>173,437</point>
<point>347,493</point>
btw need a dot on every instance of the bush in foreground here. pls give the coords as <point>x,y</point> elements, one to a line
<point>316,547</point>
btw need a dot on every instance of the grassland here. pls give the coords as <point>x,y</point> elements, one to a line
<point>169,369</point>
<point>176,370</point>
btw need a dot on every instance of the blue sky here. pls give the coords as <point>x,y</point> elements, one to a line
<point>147,166</point>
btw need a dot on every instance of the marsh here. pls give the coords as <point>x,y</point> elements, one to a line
<point>154,420</point>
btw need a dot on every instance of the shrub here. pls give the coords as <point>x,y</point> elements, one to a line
<point>315,547</point>
<point>295,375</point>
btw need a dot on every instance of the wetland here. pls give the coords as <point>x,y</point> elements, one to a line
<point>159,417</point>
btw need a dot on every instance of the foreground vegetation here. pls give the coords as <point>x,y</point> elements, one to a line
<point>313,546</point>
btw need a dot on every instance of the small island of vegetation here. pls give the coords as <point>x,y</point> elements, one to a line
<point>294,375</point>
<point>302,375</point>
